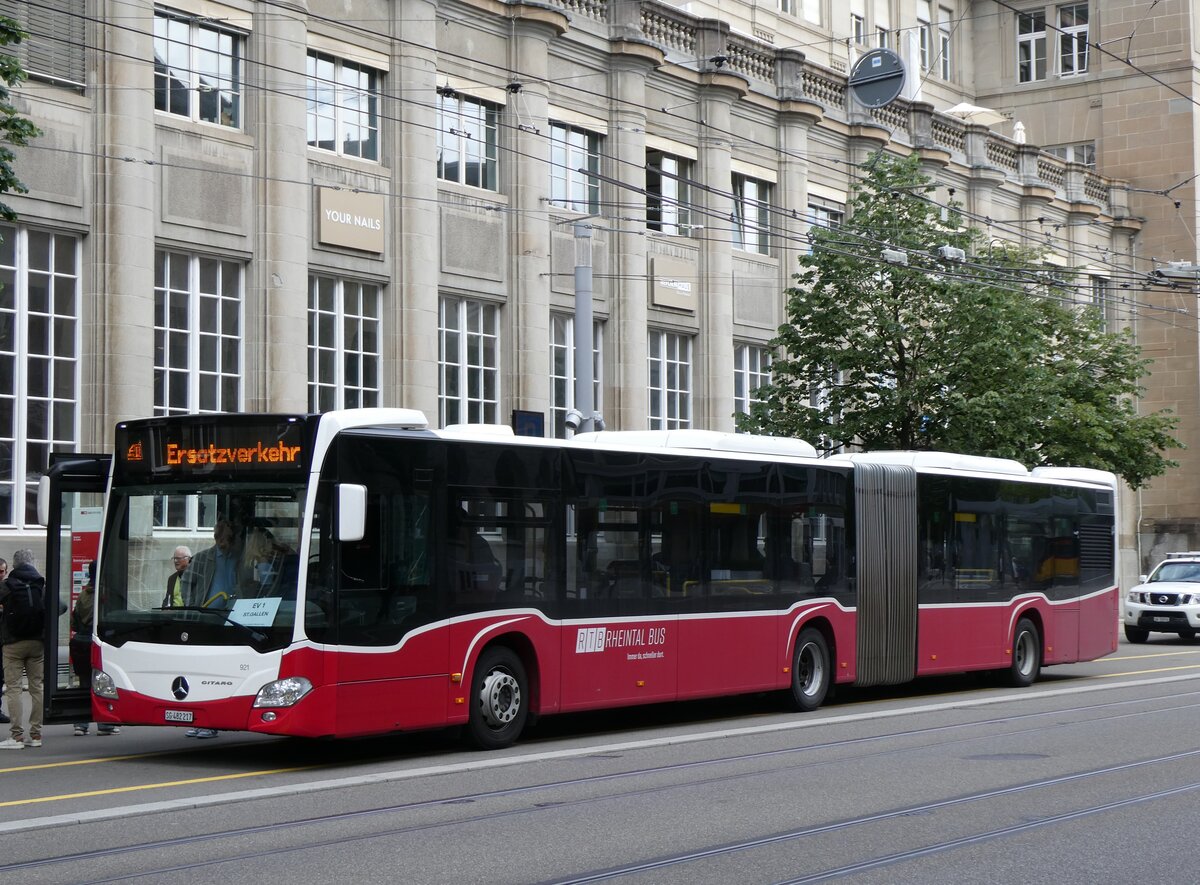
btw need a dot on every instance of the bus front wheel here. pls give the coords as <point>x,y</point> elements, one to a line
<point>1026,654</point>
<point>499,699</point>
<point>811,670</point>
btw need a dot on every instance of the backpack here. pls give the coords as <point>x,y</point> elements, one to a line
<point>24,612</point>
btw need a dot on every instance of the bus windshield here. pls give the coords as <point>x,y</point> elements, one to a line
<point>208,565</point>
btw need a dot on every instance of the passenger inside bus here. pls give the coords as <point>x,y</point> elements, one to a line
<point>475,569</point>
<point>213,577</point>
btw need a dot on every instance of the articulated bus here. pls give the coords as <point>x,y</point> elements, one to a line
<point>374,575</point>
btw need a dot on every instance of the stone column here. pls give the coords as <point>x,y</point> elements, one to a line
<point>797,115</point>
<point>528,311</point>
<point>411,320</point>
<point>712,372</point>
<point>276,309</point>
<point>119,339</point>
<point>627,390</point>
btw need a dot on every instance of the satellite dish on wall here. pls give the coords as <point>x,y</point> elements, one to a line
<point>877,78</point>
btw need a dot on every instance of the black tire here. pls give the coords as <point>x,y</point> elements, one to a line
<point>812,672</point>
<point>1026,654</point>
<point>1187,634</point>
<point>499,699</point>
<point>1136,634</point>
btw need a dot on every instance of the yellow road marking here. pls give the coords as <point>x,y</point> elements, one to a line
<point>1143,672</point>
<point>1163,654</point>
<point>159,786</point>
<point>66,763</point>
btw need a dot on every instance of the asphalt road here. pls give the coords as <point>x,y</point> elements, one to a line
<point>1090,776</point>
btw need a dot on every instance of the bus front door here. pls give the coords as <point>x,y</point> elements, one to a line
<point>71,507</point>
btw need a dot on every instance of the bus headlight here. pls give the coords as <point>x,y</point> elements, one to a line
<point>283,692</point>
<point>103,685</point>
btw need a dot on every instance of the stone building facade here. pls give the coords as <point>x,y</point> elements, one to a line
<point>285,205</point>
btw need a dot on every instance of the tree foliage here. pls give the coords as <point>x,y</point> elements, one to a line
<point>15,130</point>
<point>989,354</point>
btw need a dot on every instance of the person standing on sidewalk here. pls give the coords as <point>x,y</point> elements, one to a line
<point>81,647</point>
<point>22,598</point>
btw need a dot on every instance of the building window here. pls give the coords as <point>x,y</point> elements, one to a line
<point>1101,301</point>
<point>467,140</point>
<point>56,42</point>
<point>751,214</point>
<point>669,359</point>
<point>562,370</point>
<point>468,361</point>
<point>924,33</point>
<point>197,334</point>
<point>343,107</point>
<point>1031,46</point>
<point>572,149</point>
<point>945,58</point>
<point>883,22</point>
<point>858,28</point>
<point>1073,39</point>
<point>751,370</point>
<point>812,11</point>
<point>197,70</point>
<point>787,7</point>
<point>825,213</point>
<point>343,344</point>
<point>39,362</point>
<point>1082,152</point>
<point>668,193</point>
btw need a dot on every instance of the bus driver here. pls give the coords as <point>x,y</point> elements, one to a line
<point>212,578</point>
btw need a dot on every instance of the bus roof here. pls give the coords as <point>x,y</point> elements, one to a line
<point>929,461</point>
<point>708,440</point>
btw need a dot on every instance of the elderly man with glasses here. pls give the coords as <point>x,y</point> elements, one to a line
<point>174,596</point>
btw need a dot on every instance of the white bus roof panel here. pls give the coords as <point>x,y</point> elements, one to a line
<point>709,440</point>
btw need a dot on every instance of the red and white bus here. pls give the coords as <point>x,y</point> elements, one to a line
<point>379,576</point>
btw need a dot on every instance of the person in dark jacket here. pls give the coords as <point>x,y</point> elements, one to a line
<point>81,646</point>
<point>4,720</point>
<point>22,655</point>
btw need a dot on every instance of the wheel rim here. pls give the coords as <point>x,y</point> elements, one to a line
<point>499,698</point>
<point>1023,654</point>
<point>810,669</point>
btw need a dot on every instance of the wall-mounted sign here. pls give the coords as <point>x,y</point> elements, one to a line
<point>350,219</point>
<point>673,283</point>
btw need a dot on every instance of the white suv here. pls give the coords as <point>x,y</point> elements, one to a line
<point>1168,601</point>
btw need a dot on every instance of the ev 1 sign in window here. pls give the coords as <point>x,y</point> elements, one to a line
<point>349,219</point>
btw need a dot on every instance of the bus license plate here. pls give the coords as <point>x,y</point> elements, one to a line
<point>178,716</point>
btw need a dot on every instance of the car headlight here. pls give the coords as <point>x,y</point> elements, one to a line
<point>283,692</point>
<point>103,685</point>
<point>1133,596</point>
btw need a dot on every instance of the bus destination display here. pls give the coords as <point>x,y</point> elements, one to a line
<point>225,443</point>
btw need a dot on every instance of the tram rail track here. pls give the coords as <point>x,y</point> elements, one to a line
<point>542,798</point>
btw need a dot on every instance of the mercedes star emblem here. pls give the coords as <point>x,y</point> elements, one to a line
<point>179,688</point>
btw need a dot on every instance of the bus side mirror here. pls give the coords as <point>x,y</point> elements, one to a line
<point>352,512</point>
<point>43,500</point>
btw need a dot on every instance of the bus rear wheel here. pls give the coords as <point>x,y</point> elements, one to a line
<point>499,700</point>
<point>1026,654</point>
<point>811,670</point>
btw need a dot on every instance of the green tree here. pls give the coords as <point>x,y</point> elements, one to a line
<point>983,351</point>
<point>15,130</point>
